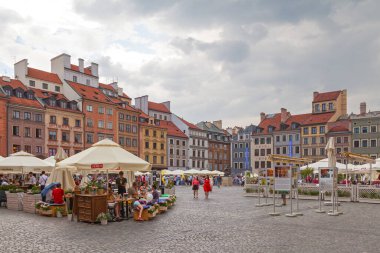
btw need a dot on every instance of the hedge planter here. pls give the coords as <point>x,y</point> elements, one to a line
<point>29,202</point>
<point>14,201</point>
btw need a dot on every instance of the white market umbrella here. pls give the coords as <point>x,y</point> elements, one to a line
<point>205,172</point>
<point>23,162</point>
<point>60,155</point>
<point>192,172</point>
<point>325,163</point>
<point>106,155</point>
<point>50,160</point>
<point>1,157</point>
<point>178,172</point>
<point>63,176</point>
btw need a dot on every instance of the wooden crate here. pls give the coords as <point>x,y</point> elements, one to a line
<point>14,201</point>
<point>29,201</point>
<point>144,216</point>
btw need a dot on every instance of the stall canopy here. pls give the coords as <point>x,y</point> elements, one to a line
<point>23,162</point>
<point>50,160</point>
<point>106,155</point>
<point>192,172</point>
<point>325,163</point>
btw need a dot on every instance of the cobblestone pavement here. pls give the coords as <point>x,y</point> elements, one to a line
<point>227,222</point>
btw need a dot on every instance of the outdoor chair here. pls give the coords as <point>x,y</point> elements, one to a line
<point>3,198</point>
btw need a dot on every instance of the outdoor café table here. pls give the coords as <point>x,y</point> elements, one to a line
<point>125,207</point>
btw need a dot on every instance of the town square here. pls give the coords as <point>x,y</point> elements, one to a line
<point>189,126</point>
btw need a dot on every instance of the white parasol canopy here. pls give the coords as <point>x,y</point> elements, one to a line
<point>192,172</point>
<point>23,162</point>
<point>325,163</point>
<point>50,160</point>
<point>205,172</point>
<point>64,176</point>
<point>1,157</point>
<point>106,155</point>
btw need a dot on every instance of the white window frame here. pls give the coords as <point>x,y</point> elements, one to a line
<point>89,108</point>
<point>359,130</point>
<point>353,143</point>
<point>370,128</point>
<point>361,142</point>
<point>362,130</point>
<point>371,141</point>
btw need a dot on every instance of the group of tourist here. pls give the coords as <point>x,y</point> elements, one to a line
<point>207,188</point>
<point>30,180</point>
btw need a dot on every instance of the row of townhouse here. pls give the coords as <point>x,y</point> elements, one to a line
<point>306,135</point>
<point>68,107</point>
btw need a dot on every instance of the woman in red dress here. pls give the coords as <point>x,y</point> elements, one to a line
<point>207,186</point>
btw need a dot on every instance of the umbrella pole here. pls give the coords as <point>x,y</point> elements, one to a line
<point>107,182</point>
<point>346,173</point>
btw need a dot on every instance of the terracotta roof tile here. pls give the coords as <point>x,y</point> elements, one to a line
<point>326,96</point>
<point>190,125</point>
<point>46,94</point>
<point>318,118</point>
<point>14,84</point>
<point>106,87</point>
<point>173,130</point>
<point>127,107</point>
<point>158,107</point>
<point>43,75</point>
<point>86,70</point>
<point>338,129</point>
<point>273,120</point>
<point>25,102</point>
<point>89,92</point>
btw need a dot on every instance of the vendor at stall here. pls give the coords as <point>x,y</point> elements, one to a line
<point>121,182</point>
<point>58,194</point>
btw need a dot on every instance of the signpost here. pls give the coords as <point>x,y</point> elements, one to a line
<point>282,182</point>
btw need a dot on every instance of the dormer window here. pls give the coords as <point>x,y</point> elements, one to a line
<point>331,106</point>
<point>8,92</point>
<point>87,81</point>
<point>19,94</point>
<point>30,96</point>
<point>270,129</point>
<point>52,102</point>
<point>63,104</point>
<point>294,126</point>
<point>75,79</point>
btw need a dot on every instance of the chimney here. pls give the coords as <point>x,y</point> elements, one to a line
<point>315,94</point>
<point>262,116</point>
<point>81,65</point>
<point>6,79</point>
<point>94,69</point>
<point>21,69</point>
<point>363,108</point>
<point>218,124</point>
<point>284,115</point>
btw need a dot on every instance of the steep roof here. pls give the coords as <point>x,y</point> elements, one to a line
<point>209,126</point>
<point>190,125</point>
<point>318,118</point>
<point>43,75</point>
<point>326,96</point>
<point>106,87</point>
<point>118,101</point>
<point>46,94</point>
<point>20,101</point>
<point>173,130</point>
<point>338,129</point>
<point>89,92</point>
<point>273,120</point>
<point>86,70</point>
<point>157,107</point>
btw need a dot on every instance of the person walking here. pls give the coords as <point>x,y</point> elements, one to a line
<point>195,184</point>
<point>207,186</point>
<point>42,180</point>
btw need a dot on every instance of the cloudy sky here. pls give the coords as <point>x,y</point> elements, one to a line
<point>212,59</point>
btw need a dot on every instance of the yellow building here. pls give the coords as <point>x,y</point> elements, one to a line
<point>327,107</point>
<point>153,142</point>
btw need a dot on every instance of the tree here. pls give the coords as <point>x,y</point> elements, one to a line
<point>306,172</point>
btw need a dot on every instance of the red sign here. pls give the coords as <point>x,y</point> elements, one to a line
<point>96,166</point>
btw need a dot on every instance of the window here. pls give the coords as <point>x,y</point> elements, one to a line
<point>65,136</point>
<point>356,144</point>
<point>101,110</point>
<point>364,129</point>
<point>269,140</point>
<point>52,151</point>
<point>53,119</point>
<point>146,132</point>
<point>277,138</point>
<point>32,83</point>
<point>16,148</point>
<point>284,150</point>
<point>162,146</point>
<point>134,129</point>
<point>38,133</point>
<point>154,159</point>
<point>90,138</point>
<point>44,86</point>
<point>154,145</point>
<point>134,118</point>
<point>345,139</point>
<point>128,128</point>
<point>313,130</point>
<point>257,165</point>
<point>313,151</point>
<point>305,141</point>
<point>262,140</point>
<point>305,130</point>
<point>322,151</point>
<point>313,140</point>
<point>373,129</point>
<point>323,107</point>
<point>101,124</point>
<point>27,132</point>
<point>331,106</point>
<point>38,117</point>
<point>121,141</point>
<point>262,152</point>
<point>262,164</point>
<point>269,151</point>
<point>77,123</point>
<point>87,81</point>
<point>356,130</point>
<point>364,143</point>
<point>257,152</point>
<point>297,149</point>
<point>19,94</point>
<point>78,138</point>
<point>373,143</point>
<point>284,138</point>
<point>16,131</point>
<point>322,129</point>
<point>171,162</point>
<point>146,144</point>
<point>57,88</point>
<point>38,149</point>
<point>147,158</point>
<point>339,140</point>
<point>65,121</point>
<point>134,143</point>
<point>269,164</point>
<point>75,79</point>
<point>16,114</point>
<point>183,163</point>
<point>121,127</point>
<point>297,137</point>
<point>27,116</point>
<point>109,111</point>
<point>53,102</point>
<point>90,123</point>
<point>183,152</point>
<point>154,133</point>
<point>52,135</point>
<point>290,137</point>
<point>305,152</point>
<point>89,108</point>
<point>109,125</point>
<point>278,151</point>
<point>162,160</point>
<point>322,140</point>
<point>317,108</point>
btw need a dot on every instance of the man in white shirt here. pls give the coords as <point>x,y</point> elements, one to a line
<point>42,180</point>
<point>32,179</point>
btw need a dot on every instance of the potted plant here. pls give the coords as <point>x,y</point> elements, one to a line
<point>163,206</point>
<point>36,190</point>
<point>103,218</point>
<point>68,193</point>
<point>100,188</point>
<point>83,190</point>
<point>69,215</point>
<point>38,207</point>
<point>45,209</point>
<point>59,212</point>
<point>152,212</point>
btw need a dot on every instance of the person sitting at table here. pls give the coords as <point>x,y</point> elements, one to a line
<point>133,191</point>
<point>139,207</point>
<point>155,194</point>
<point>112,200</point>
<point>58,194</point>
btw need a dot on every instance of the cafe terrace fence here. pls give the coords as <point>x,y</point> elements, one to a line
<point>353,193</point>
